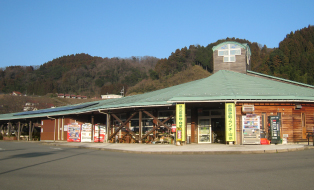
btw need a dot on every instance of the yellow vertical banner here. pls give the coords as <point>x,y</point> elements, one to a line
<point>180,122</point>
<point>230,121</point>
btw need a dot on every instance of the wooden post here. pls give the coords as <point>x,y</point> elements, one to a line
<point>58,129</point>
<point>92,130</point>
<point>62,128</point>
<point>9,129</point>
<point>19,131</point>
<point>30,137</point>
<point>108,127</point>
<point>54,131</point>
<point>140,126</point>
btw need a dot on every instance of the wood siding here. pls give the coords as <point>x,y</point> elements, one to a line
<point>291,119</point>
<point>238,66</point>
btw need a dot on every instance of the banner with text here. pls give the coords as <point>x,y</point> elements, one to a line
<point>180,122</point>
<point>230,121</point>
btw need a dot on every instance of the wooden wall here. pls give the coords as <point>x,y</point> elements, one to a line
<point>238,66</point>
<point>291,119</point>
<point>49,129</point>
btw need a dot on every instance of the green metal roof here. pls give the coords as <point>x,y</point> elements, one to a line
<point>221,86</point>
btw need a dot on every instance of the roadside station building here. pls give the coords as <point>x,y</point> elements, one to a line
<point>233,105</point>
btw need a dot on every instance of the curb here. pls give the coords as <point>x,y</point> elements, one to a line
<point>185,152</point>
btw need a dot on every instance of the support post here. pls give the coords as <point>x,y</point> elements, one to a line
<point>108,127</point>
<point>19,131</point>
<point>140,126</point>
<point>62,128</point>
<point>54,131</point>
<point>30,135</point>
<point>93,125</point>
<point>58,129</point>
<point>9,128</point>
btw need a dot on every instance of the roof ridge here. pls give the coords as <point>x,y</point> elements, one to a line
<point>281,79</point>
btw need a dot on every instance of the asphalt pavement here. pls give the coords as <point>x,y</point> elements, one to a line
<point>184,149</point>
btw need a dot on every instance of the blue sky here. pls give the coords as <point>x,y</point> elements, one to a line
<point>33,32</point>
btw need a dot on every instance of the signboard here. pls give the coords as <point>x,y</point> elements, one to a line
<point>251,129</point>
<point>180,122</point>
<point>74,132</point>
<point>274,123</point>
<point>230,121</point>
<point>99,133</point>
<point>86,133</point>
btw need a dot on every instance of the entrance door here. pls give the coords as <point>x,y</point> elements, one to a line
<point>218,129</point>
<point>204,131</point>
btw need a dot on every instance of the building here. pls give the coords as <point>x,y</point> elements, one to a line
<point>16,93</point>
<point>60,95</point>
<point>110,96</point>
<point>233,105</point>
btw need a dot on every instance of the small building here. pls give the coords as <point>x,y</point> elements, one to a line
<point>29,106</point>
<point>110,96</point>
<point>67,96</point>
<point>16,93</point>
<point>84,97</point>
<point>78,97</point>
<point>73,96</point>
<point>60,95</point>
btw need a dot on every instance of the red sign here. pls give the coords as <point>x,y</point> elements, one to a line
<point>99,133</point>
<point>74,132</point>
<point>173,128</point>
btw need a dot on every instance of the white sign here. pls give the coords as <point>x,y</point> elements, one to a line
<point>86,132</point>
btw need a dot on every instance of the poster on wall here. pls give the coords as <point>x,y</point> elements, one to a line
<point>86,133</point>
<point>74,132</point>
<point>99,133</point>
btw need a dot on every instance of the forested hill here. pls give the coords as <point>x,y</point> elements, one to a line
<point>92,76</point>
<point>77,74</point>
<point>294,59</point>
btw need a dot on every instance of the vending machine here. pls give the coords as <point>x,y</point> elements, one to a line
<point>274,129</point>
<point>251,129</point>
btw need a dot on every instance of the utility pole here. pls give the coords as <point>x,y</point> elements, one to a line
<point>122,92</point>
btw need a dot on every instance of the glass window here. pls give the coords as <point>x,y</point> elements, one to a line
<point>235,52</point>
<point>226,59</point>
<point>223,52</point>
<point>204,113</point>
<point>165,113</point>
<point>232,59</point>
<point>216,112</point>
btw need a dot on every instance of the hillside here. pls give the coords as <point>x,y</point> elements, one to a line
<point>82,74</point>
<point>79,74</point>
<point>147,85</point>
<point>12,104</point>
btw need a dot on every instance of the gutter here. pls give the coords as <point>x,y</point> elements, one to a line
<point>237,100</point>
<point>107,124</point>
